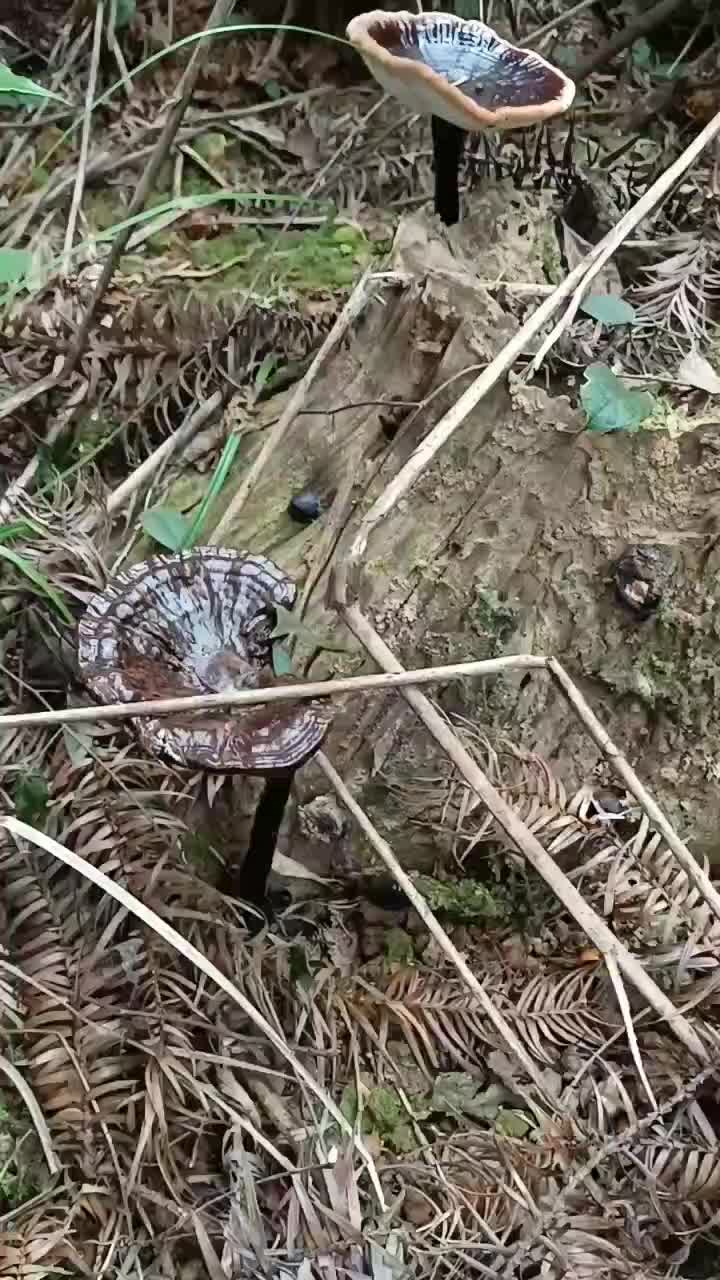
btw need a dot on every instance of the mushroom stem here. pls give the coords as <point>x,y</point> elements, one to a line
<point>249,880</point>
<point>448,147</point>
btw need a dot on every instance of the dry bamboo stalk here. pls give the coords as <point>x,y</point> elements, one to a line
<point>524,840</point>
<point>280,693</point>
<point>624,770</point>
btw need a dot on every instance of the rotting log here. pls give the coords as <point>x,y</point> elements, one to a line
<point>508,542</point>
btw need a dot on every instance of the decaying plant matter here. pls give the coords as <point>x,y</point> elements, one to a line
<point>157,1131</point>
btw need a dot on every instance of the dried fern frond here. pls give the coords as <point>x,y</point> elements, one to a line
<point>680,291</point>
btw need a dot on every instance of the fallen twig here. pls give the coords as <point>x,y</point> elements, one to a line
<point>627,35</point>
<point>84,136</point>
<point>624,770</point>
<point>280,693</point>
<point>523,839</point>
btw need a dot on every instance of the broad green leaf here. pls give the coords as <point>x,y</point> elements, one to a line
<point>38,580</point>
<point>31,799</point>
<point>125,11</point>
<point>645,57</point>
<point>455,1093</point>
<point>265,372</point>
<point>220,475</point>
<point>609,405</point>
<point>513,1124</point>
<point>281,660</point>
<point>169,528</point>
<point>609,309</point>
<point>18,88</point>
<point>14,265</point>
<point>78,744</point>
<point>288,624</point>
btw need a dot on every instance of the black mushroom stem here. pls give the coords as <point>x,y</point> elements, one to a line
<point>448,147</point>
<point>248,879</point>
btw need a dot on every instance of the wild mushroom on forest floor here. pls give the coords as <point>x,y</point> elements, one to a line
<point>464,76</point>
<point>197,622</point>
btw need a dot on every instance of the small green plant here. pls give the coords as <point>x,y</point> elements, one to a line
<point>15,1186</point>
<point>36,582</point>
<point>465,901</point>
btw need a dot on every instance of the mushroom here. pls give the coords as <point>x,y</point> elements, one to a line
<point>462,74</point>
<point>201,622</point>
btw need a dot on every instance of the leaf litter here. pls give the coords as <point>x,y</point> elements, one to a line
<point>184,1140</point>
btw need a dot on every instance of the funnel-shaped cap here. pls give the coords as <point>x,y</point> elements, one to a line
<point>459,70</point>
<point>199,622</point>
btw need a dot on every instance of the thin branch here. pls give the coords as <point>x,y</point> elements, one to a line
<point>19,1082</point>
<point>222,10</point>
<point>627,35</point>
<point>623,769</point>
<point>79,187</point>
<point>196,418</point>
<point>626,1013</point>
<point>281,693</point>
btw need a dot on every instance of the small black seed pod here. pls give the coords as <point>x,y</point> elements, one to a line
<point>305,507</point>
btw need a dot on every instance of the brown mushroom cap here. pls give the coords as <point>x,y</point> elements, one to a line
<point>459,70</point>
<point>199,622</point>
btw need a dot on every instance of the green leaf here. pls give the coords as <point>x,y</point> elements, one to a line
<point>14,265</point>
<point>288,624</point>
<point>38,580</point>
<point>281,660</point>
<point>265,372</point>
<point>399,949</point>
<point>513,1124</point>
<point>125,11</point>
<point>455,1093</point>
<point>645,57</point>
<point>609,405</point>
<point>609,309</point>
<point>168,527</point>
<point>391,1119</point>
<point>31,799</point>
<point>14,89</point>
<point>220,475</point>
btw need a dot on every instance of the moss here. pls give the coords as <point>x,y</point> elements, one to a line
<point>318,260</point>
<point>493,620</point>
<point>550,253</point>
